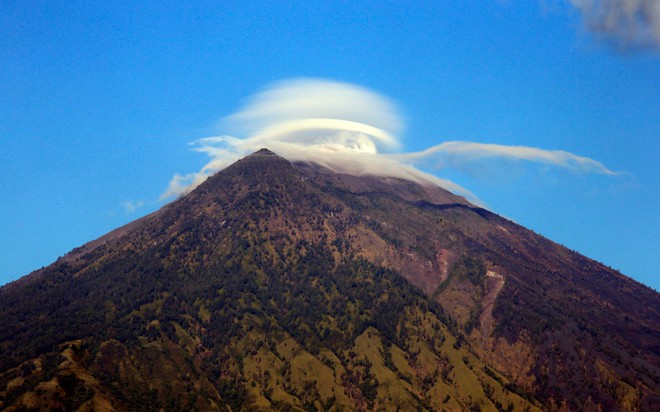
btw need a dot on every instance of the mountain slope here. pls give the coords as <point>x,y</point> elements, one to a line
<point>286,286</point>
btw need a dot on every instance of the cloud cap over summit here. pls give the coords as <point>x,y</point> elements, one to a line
<point>349,129</point>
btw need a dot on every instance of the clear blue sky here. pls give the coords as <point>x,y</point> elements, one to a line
<point>99,100</point>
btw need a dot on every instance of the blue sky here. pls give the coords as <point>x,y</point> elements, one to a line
<point>99,102</point>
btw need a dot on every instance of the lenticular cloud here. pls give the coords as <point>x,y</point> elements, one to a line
<point>348,129</point>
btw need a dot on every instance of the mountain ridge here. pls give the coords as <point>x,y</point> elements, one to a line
<point>526,310</point>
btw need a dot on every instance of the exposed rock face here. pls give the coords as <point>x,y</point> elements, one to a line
<point>286,286</point>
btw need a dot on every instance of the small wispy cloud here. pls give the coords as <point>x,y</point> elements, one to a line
<point>349,129</point>
<point>131,206</point>
<point>627,24</point>
<point>451,154</point>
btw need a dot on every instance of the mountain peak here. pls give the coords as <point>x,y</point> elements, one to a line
<point>260,155</point>
<point>263,152</point>
<point>277,284</point>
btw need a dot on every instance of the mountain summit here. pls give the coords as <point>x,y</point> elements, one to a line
<point>286,286</point>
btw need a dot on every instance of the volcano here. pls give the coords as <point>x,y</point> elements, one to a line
<point>286,286</point>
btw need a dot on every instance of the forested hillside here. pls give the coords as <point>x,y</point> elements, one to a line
<point>280,286</point>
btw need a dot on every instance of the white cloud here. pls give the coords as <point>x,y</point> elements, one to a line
<point>625,23</point>
<point>298,99</point>
<point>454,153</point>
<point>131,207</point>
<point>348,129</point>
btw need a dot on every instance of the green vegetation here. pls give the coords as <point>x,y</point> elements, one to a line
<point>319,334</point>
<point>269,289</point>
